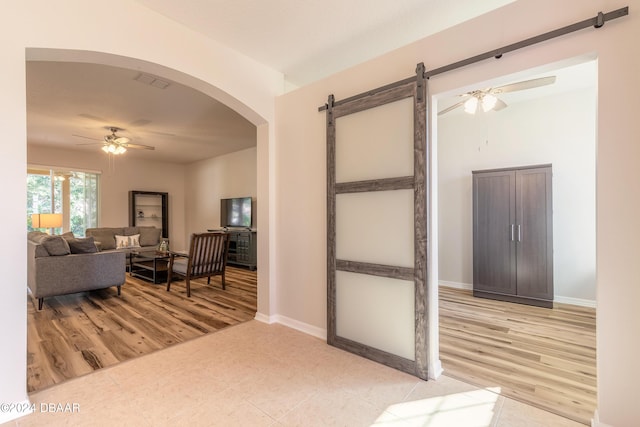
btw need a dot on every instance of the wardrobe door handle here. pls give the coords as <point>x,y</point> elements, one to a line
<point>511,232</point>
<point>519,235</point>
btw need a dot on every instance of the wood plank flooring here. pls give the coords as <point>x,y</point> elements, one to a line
<point>76,334</point>
<point>543,357</point>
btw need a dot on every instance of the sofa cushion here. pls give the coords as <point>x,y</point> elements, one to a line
<point>56,245</point>
<point>36,236</point>
<point>123,242</point>
<point>129,231</point>
<point>104,235</point>
<point>40,251</point>
<point>180,265</point>
<point>85,245</point>
<point>149,236</point>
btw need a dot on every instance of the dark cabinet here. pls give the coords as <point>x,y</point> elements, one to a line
<point>242,248</point>
<point>148,208</point>
<point>513,235</point>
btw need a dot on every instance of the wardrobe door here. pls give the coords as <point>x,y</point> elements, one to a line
<point>494,249</point>
<point>534,233</point>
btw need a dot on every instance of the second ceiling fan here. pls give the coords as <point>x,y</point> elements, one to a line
<point>487,99</point>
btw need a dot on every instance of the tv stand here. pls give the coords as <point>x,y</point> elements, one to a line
<point>242,247</point>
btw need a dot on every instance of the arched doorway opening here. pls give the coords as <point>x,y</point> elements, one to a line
<point>262,136</point>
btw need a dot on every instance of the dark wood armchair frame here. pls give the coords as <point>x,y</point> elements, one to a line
<point>207,257</point>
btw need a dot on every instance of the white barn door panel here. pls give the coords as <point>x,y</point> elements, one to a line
<point>377,225</point>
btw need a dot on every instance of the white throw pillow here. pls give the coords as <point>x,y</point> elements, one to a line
<point>123,242</point>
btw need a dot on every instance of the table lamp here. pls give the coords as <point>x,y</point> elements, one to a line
<point>46,220</point>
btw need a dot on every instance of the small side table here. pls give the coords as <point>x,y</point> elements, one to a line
<point>149,265</point>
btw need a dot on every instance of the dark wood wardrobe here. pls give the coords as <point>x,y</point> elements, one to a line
<point>513,235</point>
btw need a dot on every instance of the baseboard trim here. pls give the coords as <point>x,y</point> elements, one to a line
<point>456,285</point>
<point>557,298</point>
<point>595,421</point>
<point>14,413</point>
<point>263,318</point>
<point>436,370</point>
<point>293,324</point>
<point>575,301</point>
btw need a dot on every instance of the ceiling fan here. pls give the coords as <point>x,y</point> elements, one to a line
<point>114,144</point>
<point>487,99</point>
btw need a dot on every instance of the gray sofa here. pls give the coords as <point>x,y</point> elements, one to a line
<point>107,238</point>
<point>60,265</point>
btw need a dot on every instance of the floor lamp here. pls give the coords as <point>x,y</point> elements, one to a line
<point>46,220</point>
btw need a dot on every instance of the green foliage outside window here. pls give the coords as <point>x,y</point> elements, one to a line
<point>78,190</point>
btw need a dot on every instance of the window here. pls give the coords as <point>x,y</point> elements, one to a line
<point>74,194</point>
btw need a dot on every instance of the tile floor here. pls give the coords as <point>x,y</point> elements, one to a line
<point>255,374</point>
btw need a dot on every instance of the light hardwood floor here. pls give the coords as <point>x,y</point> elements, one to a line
<point>543,357</point>
<point>76,334</point>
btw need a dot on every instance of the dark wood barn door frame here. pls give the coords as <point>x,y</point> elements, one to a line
<point>415,88</point>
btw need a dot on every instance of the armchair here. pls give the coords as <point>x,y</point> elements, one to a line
<point>207,257</point>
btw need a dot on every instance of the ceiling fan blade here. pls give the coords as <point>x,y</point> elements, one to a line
<point>526,84</point>
<point>123,140</point>
<point>170,135</point>
<point>113,140</point>
<point>453,107</point>
<point>140,146</point>
<point>91,117</point>
<point>86,137</point>
<point>500,104</point>
<point>140,122</point>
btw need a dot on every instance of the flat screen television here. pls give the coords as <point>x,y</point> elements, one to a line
<point>235,212</point>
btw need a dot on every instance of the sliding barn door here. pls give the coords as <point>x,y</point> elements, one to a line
<point>377,225</point>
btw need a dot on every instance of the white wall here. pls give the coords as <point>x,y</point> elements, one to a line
<point>301,207</point>
<point>118,178</point>
<point>300,155</point>
<point>208,181</point>
<point>557,129</point>
<point>149,42</point>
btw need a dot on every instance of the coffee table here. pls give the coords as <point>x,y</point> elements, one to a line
<point>149,265</point>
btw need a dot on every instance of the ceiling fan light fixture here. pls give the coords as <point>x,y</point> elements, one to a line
<point>114,144</point>
<point>488,102</point>
<point>488,98</point>
<point>471,105</point>
<point>113,148</point>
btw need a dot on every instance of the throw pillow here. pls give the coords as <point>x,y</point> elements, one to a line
<point>68,235</point>
<point>37,236</point>
<point>56,246</point>
<point>149,236</point>
<point>134,240</point>
<point>124,242</point>
<point>82,246</point>
<point>104,235</point>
